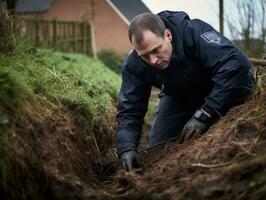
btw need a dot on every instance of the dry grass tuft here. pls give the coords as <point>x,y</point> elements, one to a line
<point>7,45</point>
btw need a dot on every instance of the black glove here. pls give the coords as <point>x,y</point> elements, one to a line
<point>129,160</point>
<point>192,128</point>
<point>198,124</point>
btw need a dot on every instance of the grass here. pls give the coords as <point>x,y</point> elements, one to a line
<point>66,81</point>
<point>39,86</point>
<point>111,59</point>
<point>68,78</point>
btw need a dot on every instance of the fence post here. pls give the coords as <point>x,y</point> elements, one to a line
<point>59,36</point>
<point>74,36</point>
<point>55,34</point>
<point>89,41</point>
<point>65,36</point>
<point>48,34</point>
<point>37,32</point>
<point>84,39</point>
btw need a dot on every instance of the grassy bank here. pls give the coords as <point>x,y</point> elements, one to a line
<point>47,98</point>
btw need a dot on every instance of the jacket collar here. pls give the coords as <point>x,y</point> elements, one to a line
<point>177,41</point>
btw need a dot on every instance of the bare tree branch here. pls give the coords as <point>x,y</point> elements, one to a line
<point>246,23</point>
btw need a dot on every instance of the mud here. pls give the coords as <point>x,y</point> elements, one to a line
<point>227,162</point>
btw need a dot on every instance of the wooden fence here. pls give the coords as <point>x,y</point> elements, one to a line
<point>59,35</point>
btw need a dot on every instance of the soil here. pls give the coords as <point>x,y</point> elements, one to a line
<point>228,162</point>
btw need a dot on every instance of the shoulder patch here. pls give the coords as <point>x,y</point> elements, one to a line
<point>211,37</point>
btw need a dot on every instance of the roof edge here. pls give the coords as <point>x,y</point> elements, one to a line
<point>36,11</point>
<point>118,12</point>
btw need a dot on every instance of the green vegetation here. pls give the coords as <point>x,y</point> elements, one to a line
<point>153,104</point>
<point>69,79</point>
<point>41,87</point>
<point>111,59</point>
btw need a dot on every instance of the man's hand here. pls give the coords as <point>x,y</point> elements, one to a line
<point>129,160</point>
<point>192,128</point>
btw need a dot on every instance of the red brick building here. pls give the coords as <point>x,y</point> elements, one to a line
<point>109,18</point>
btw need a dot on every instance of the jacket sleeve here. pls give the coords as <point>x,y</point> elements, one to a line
<point>230,69</point>
<point>132,105</point>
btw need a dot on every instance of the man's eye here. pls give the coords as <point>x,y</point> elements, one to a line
<point>155,50</point>
<point>145,57</point>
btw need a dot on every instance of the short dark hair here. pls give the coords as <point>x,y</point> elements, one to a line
<point>145,21</point>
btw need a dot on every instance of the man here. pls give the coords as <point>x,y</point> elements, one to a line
<point>201,75</point>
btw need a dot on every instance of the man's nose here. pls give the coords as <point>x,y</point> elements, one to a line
<point>153,59</point>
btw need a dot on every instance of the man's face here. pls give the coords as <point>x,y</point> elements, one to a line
<point>155,50</point>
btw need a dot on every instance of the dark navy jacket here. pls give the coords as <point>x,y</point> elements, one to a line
<point>206,70</point>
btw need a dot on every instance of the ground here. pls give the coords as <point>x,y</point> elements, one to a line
<point>227,162</point>
<point>61,140</point>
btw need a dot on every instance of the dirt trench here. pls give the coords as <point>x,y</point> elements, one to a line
<point>228,162</point>
<point>65,161</point>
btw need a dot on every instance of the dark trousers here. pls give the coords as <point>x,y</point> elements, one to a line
<point>169,120</point>
<point>171,116</point>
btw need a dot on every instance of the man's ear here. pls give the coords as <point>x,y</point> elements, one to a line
<point>168,34</point>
